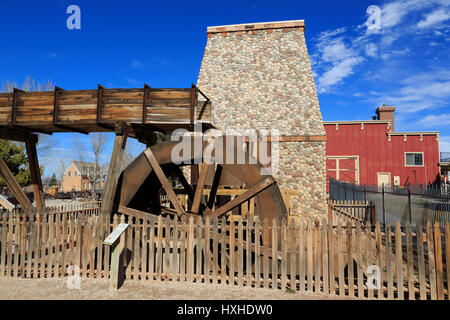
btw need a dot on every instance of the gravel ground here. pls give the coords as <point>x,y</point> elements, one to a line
<point>97,289</point>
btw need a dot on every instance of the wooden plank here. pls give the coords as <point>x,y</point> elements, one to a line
<point>16,246</point>
<point>4,239</point>
<point>128,244</point>
<point>266,252</point>
<point>389,269</point>
<point>215,251</point>
<point>447,256</point>
<point>399,260</point>
<point>438,257</point>
<point>137,249</point>
<point>35,172</point>
<point>409,256</point>
<point>283,255</point>
<point>431,262</point>
<point>14,186</point>
<point>198,252</point>
<point>175,256</point>
<point>258,252</point>
<point>317,257</point>
<point>215,185</point>
<point>421,262</point>
<point>331,259</point>
<point>85,247</point>
<point>159,250</point>
<point>223,251</point>
<point>240,253</point>
<point>340,259</point>
<point>191,249</point>
<point>43,244</point>
<point>183,249</point>
<point>58,246</point>
<point>248,251</point>
<point>106,261</point>
<point>113,174</point>
<point>324,241</point>
<point>274,255</point>
<point>350,272</point>
<point>242,198</point>
<point>166,262</point>
<point>379,255</point>
<point>359,260</point>
<point>204,169</point>
<point>208,257</point>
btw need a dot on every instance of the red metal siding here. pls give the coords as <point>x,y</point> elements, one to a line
<point>378,154</point>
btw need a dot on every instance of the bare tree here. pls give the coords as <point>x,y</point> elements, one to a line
<point>79,148</point>
<point>62,168</point>
<point>98,141</point>
<point>45,142</point>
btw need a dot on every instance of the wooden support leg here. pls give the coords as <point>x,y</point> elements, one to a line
<point>113,174</point>
<point>14,186</point>
<point>203,168</point>
<point>164,182</point>
<point>215,186</point>
<point>35,174</point>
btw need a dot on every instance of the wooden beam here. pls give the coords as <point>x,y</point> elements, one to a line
<point>204,169</point>
<point>113,175</point>
<point>14,105</point>
<point>144,103</point>
<point>14,186</point>
<point>187,187</point>
<point>135,213</point>
<point>215,186</point>
<point>35,176</point>
<point>242,198</point>
<point>15,134</point>
<point>164,182</point>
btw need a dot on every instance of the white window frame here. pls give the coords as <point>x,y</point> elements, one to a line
<point>338,169</point>
<point>423,159</point>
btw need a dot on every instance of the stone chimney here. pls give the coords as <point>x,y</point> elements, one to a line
<point>258,76</point>
<point>386,113</point>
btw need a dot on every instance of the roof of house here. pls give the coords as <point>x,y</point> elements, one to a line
<point>87,168</point>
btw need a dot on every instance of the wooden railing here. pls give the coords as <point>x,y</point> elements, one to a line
<point>246,208</point>
<point>308,256</point>
<point>351,211</point>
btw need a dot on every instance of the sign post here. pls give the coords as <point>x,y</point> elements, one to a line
<point>113,241</point>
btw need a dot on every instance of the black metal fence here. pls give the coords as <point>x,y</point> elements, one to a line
<point>406,204</point>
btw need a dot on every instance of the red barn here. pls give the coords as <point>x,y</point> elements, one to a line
<point>371,152</point>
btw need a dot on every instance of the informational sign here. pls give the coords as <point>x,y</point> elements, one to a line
<point>115,234</point>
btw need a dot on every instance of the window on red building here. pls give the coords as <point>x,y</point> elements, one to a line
<point>413,159</point>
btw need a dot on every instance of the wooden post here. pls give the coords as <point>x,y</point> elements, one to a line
<point>113,173</point>
<point>14,186</point>
<point>35,173</point>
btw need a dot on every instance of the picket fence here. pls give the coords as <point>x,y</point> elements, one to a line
<point>308,256</point>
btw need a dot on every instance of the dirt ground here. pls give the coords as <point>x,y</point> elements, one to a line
<point>97,289</point>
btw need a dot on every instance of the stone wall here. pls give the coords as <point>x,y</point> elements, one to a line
<point>259,76</point>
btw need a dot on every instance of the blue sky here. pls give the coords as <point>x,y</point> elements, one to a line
<point>406,63</point>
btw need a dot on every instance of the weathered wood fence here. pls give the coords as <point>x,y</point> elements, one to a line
<point>351,211</point>
<point>308,256</point>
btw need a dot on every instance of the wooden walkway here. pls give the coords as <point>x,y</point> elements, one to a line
<point>98,110</point>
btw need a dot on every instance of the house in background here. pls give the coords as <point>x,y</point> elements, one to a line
<point>79,176</point>
<point>371,152</point>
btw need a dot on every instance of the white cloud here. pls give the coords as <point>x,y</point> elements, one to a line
<point>435,120</point>
<point>434,18</point>
<point>444,143</point>
<point>371,50</point>
<point>136,63</point>
<point>337,73</point>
